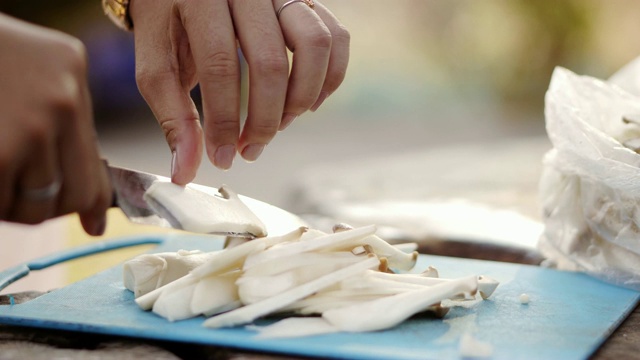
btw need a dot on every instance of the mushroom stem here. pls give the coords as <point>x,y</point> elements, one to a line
<point>248,313</point>
<point>330,242</point>
<point>391,310</point>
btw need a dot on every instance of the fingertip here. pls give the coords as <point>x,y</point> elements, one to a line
<point>321,98</point>
<point>223,156</point>
<point>287,119</point>
<point>252,152</point>
<point>186,154</point>
<point>183,168</point>
<point>94,225</point>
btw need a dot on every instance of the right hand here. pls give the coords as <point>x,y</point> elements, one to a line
<point>47,133</point>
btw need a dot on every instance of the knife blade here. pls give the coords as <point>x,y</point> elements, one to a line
<point>130,185</point>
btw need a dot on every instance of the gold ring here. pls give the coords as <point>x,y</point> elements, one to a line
<point>309,3</point>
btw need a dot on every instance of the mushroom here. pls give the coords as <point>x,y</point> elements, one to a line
<point>391,310</point>
<point>340,276</point>
<point>193,210</point>
<point>486,285</point>
<point>147,272</point>
<point>396,256</point>
<point>175,305</point>
<point>220,262</point>
<point>216,294</point>
<point>295,327</point>
<point>346,240</point>
<point>249,313</point>
<point>285,273</point>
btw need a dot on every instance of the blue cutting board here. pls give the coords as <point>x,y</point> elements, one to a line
<point>568,317</point>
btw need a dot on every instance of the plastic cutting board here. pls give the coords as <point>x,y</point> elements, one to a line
<point>568,317</point>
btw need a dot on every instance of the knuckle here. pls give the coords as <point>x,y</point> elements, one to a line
<point>170,128</point>
<point>224,123</point>
<point>272,63</point>
<point>149,79</point>
<point>65,105</point>
<point>38,132</point>
<point>340,33</point>
<point>264,131</point>
<point>320,39</point>
<point>220,66</point>
<point>75,53</point>
<point>222,128</point>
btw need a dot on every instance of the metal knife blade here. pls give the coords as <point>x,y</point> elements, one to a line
<point>130,185</point>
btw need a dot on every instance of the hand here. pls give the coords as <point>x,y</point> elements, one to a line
<point>49,163</point>
<point>180,43</point>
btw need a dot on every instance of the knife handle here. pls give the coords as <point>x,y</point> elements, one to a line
<point>9,276</point>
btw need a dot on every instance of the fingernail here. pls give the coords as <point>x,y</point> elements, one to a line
<point>224,156</point>
<point>174,163</point>
<point>252,152</point>
<point>287,119</point>
<point>323,96</point>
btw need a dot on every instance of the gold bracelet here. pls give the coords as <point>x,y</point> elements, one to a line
<point>118,12</point>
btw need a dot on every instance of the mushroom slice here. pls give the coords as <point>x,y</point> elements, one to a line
<point>147,272</point>
<point>486,285</point>
<point>176,305</point>
<point>147,301</point>
<point>295,327</point>
<point>193,210</point>
<point>144,273</point>
<point>397,255</point>
<point>249,313</point>
<point>220,262</point>
<point>283,274</point>
<point>216,293</point>
<point>391,310</point>
<point>346,239</point>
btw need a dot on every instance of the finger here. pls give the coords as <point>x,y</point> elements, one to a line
<point>263,45</point>
<point>164,77</point>
<point>8,171</point>
<point>39,184</point>
<point>82,171</point>
<point>310,41</point>
<point>94,220</point>
<point>212,39</point>
<point>339,58</point>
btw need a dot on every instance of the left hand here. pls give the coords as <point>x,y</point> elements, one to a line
<point>180,43</point>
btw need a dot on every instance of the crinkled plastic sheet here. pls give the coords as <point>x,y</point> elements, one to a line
<point>590,186</point>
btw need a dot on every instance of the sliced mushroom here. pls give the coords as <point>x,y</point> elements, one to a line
<point>249,313</point>
<point>193,210</point>
<point>391,310</point>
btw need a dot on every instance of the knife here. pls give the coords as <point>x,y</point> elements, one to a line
<point>130,186</point>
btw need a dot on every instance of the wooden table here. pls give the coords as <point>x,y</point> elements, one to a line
<point>26,343</point>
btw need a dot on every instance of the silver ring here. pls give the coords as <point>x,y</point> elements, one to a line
<point>309,3</point>
<point>44,193</point>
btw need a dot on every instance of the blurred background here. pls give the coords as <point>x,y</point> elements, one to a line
<point>426,78</point>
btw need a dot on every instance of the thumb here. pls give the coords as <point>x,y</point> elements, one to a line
<point>165,87</point>
<point>185,141</point>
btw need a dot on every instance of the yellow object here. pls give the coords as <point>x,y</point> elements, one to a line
<point>117,226</point>
<point>118,12</point>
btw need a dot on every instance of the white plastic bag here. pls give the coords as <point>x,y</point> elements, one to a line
<point>590,186</point>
